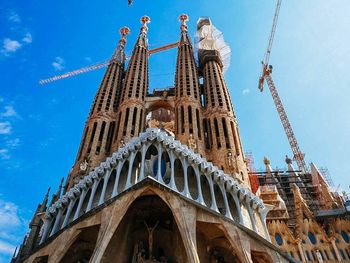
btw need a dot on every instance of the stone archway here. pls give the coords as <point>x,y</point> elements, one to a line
<point>213,246</point>
<point>260,257</point>
<point>160,114</point>
<point>83,247</point>
<point>147,233</point>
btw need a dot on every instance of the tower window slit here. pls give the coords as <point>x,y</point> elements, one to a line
<point>182,120</point>
<point>133,127</point>
<point>110,136</point>
<point>141,121</point>
<point>126,121</point>
<point>227,139</point>
<point>118,125</point>
<point>83,142</point>
<point>92,137</point>
<point>198,124</point>
<point>217,133</point>
<point>189,112</point>
<point>100,137</point>
<point>210,133</point>
<point>207,136</point>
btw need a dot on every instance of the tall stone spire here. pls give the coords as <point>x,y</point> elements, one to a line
<point>101,125</point>
<point>130,116</point>
<point>187,104</point>
<point>220,125</point>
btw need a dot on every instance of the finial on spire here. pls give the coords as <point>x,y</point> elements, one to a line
<point>183,18</point>
<point>266,161</point>
<point>48,191</point>
<point>124,31</point>
<point>288,160</point>
<point>144,21</point>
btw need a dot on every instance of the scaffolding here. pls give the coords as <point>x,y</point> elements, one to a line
<point>283,181</point>
<point>326,175</point>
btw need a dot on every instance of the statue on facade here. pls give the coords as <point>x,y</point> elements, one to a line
<point>192,144</point>
<point>231,161</point>
<point>150,231</point>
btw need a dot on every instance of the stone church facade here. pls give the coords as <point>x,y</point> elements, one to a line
<point>162,176</point>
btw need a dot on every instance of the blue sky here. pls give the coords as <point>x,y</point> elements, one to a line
<point>41,126</point>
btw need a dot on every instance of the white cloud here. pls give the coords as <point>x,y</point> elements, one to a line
<point>9,215</point>
<point>10,46</point>
<point>88,59</point>
<point>14,17</point>
<point>9,112</point>
<point>245,91</point>
<point>6,248</point>
<point>58,63</point>
<point>27,38</point>
<point>11,227</point>
<point>4,155</point>
<point>5,127</point>
<point>14,143</point>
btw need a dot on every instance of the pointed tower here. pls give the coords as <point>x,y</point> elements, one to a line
<point>35,226</point>
<point>188,98</point>
<point>130,116</point>
<point>101,125</point>
<point>220,124</point>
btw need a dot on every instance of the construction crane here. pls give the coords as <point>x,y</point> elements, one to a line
<point>266,75</point>
<point>100,65</point>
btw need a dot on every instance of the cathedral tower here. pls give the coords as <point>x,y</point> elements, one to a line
<point>130,116</point>
<point>187,103</point>
<point>100,127</point>
<point>222,140</point>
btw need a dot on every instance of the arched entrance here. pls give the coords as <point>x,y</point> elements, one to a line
<point>82,248</point>
<point>260,257</point>
<point>213,246</point>
<point>160,114</point>
<point>147,233</point>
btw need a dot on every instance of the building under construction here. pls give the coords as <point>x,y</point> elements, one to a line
<point>306,219</point>
<point>162,176</point>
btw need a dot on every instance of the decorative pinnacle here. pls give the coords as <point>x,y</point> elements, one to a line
<point>183,18</point>
<point>144,21</point>
<point>124,31</point>
<point>288,160</point>
<point>266,161</point>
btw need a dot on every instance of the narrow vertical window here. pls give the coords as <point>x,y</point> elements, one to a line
<point>210,136</point>
<point>141,121</point>
<point>110,136</point>
<point>198,125</point>
<point>100,137</point>
<point>102,131</point>
<point>118,126</point>
<point>133,126</point>
<point>217,133</point>
<point>189,112</point>
<point>126,119</point>
<point>227,139</point>
<point>206,137</point>
<point>182,120</point>
<point>92,137</point>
